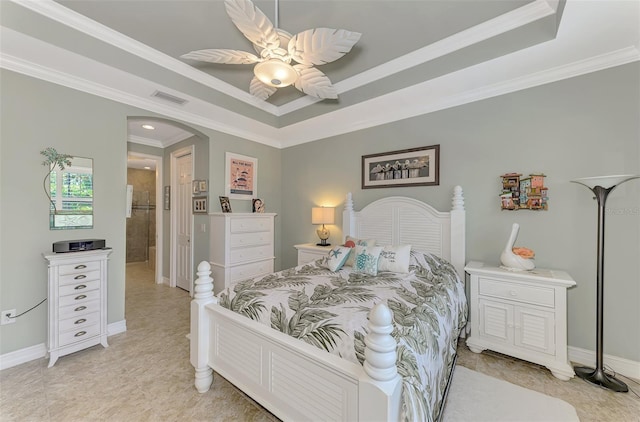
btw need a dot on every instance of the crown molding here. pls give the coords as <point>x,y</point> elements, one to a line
<point>146,141</point>
<point>522,16</point>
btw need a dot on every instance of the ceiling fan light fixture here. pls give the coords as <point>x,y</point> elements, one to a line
<point>275,73</point>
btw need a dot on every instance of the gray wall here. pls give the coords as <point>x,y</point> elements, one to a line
<point>586,126</point>
<point>36,114</point>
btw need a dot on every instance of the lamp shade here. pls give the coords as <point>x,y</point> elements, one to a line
<point>322,215</point>
<point>605,181</point>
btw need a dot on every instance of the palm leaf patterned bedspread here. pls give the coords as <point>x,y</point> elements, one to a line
<point>329,310</point>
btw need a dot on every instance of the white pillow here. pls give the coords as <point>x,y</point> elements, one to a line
<point>337,257</point>
<point>352,242</point>
<point>366,260</point>
<point>395,258</point>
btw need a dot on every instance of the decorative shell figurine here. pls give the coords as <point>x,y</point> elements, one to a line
<point>517,259</point>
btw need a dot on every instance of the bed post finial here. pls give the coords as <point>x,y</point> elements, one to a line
<point>199,335</point>
<point>204,283</point>
<point>380,352</point>
<point>348,218</point>
<point>348,204</point>
<point>458,201</point>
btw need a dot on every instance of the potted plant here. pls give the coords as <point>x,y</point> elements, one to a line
<point>52,160</point>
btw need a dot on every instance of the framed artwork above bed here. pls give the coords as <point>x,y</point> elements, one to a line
<point>407,167</point>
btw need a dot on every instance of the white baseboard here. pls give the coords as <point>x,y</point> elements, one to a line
<point>626,367</point>
<point>165,280</point>
<point>117,327</point>
<point>21,356</point>
<point>18,357</point>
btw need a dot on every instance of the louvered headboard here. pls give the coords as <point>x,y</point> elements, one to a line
<point>398,220</point>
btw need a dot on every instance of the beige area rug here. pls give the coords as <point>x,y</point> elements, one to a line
<point>477,397</point>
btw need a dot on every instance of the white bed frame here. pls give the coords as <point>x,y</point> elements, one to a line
<point>297,381</point>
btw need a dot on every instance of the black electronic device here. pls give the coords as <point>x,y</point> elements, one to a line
<point>78,245</point>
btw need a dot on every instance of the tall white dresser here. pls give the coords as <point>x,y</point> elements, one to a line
<point>77,301</point>
<point>241,246</point>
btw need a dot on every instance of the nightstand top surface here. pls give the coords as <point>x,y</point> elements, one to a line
<point>537,274</point>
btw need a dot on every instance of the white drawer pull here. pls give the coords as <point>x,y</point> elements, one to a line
<point>80,333</point>
<point>80,297</point>
<point>513,293</point>
<point>80,287</point>
<point>79,267</point>
<point>79,277</point>
<point>80,308</point>
<point>80,321</point>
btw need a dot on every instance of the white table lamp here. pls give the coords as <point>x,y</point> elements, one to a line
<point>323,215</point>
<point>601,186</point>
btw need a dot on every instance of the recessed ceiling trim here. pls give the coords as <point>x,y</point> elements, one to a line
<point>524,15</point>
<point>506,22</point>
<point>75,20</point>
<point>145,141</point>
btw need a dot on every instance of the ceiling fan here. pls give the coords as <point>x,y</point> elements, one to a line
<point>276,50</point>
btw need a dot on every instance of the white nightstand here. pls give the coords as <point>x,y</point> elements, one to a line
<point>308,252</point>
<point>521,314</point>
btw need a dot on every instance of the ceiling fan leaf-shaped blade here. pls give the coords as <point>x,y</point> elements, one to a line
<point>321,45</point>
<point>261,90</point>
<point>313,82</point>
<point>252,23</point>
<point>220,55</point>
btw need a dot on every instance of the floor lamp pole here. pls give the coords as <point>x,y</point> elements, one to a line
<point>601,187</point>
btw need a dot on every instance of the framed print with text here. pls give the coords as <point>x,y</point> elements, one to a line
<point>241,176</point>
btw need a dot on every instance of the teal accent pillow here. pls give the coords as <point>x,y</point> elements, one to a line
<point>352,242</point>
<point>337,257</point>
<point>366,259</point>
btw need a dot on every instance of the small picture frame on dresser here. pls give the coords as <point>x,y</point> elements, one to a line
<point>225,204</point>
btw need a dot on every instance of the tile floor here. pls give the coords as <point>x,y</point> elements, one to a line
<point>145,375</point>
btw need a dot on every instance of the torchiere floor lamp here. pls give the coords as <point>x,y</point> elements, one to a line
<point>601,187</point>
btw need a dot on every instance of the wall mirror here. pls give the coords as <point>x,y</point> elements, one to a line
<point>71,193</point>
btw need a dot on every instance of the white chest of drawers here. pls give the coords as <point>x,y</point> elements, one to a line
<point>521,314</point>
<point>77,298</point>
<point>241,247</point>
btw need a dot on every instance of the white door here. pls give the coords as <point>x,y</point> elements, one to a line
<point>183,219</point>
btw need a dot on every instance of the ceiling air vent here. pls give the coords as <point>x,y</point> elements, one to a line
<point>169,97</point>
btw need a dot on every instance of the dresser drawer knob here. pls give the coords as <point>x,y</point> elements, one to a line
<point>80,333</point>
<point>80,267</point>
<point>80,287</point>
<point>80,308</point>
<point>80,321</point>
<point>80,297</point>
<point>513,293</point>
<point>79,277</point>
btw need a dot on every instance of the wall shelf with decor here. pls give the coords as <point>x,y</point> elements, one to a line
<point>524,193</point>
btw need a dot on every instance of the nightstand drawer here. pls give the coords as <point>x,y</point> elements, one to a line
<point>512,291</point>
<point>79,334</point>
<point>71,289</point>
<point>79,267</point>
<point>306,256</point>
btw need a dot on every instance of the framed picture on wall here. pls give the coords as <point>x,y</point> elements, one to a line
<point>241,176</point>
<point>407,167</point>
<point>199,204</point>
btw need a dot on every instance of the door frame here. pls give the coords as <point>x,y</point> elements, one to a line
<point>159,201</point>
<point>174,217</point>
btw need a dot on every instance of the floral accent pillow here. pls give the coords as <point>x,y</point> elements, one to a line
<point>337,257</point>
<point>395,258</point>
<point>366,259</point>
<point>352,242</point>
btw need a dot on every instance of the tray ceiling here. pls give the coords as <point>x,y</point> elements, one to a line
<point>414,56</point>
